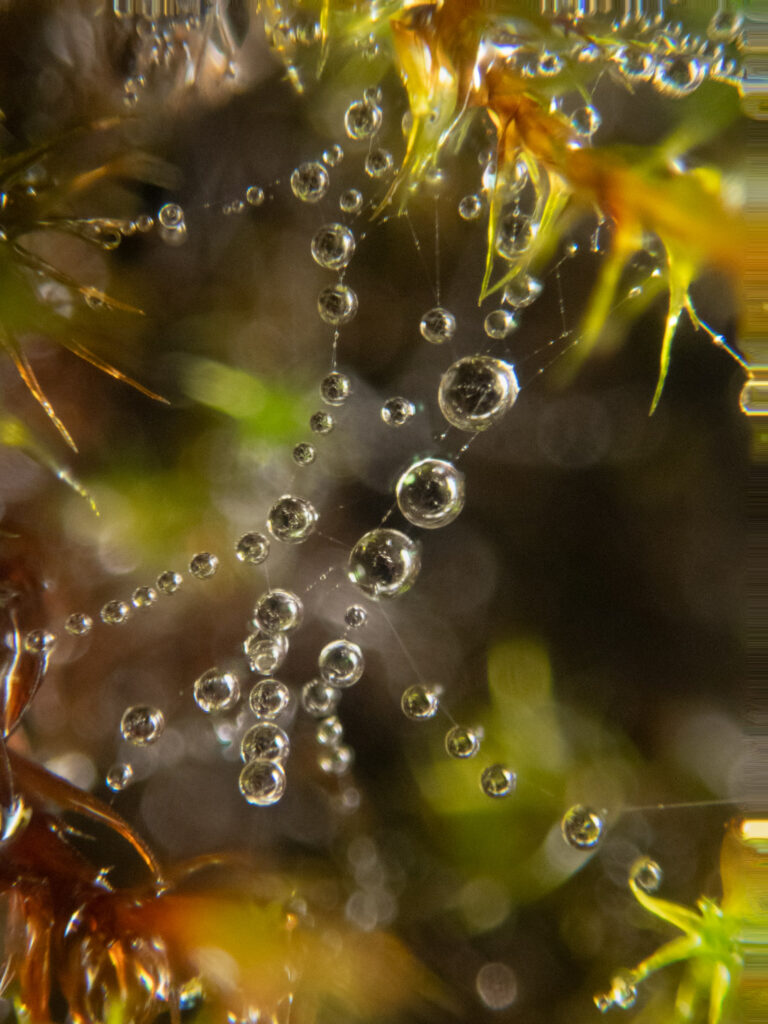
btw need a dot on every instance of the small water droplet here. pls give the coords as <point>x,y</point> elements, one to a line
<point>337,761</point>
<point>265,653</point>
<point>476,392</point>
<point>321,423</point>
<point>216,691</point>
<point>437,326</point>
<point>318,698</point>
<point>378,163</point>
<point>269,698</point>
<point>278,611</point>
<point>171,216</point>
<point>498,781</point>
<point>397,411</point>
<point>252,548</point>
<point>39,641</point>
<point>585,121</point>
<point>335,388</point>
<point>496,984</point>
<point>115,613</point>
<point>514,234</point>
<point>330,731</point>
<point>355,616</point>
<point>169,582</point>
<point>646,874</point>
<point>461,743</point>
<point>145,222</point>
<point>678,75</point>
<point>265,741</point>
<point>78,624</point>
<point>522,291</point>
<point>384,563</point>
<point>500,323</point>
<point>351,201</point>
<point>724,26</point>
<point>254,195</point>
<point>582,827</point>
<point>304,454</point>
<point>333,246</point>
<point>362,120</point>
<point>143,597</point>
<point>333,156</point>
<point>292,519</point>
<point>262,782</point>
<point>419,702</point>
<point>471,207</point>
<point>119,777</point>
<point>430,493</point>
<point>310,182</point>
<point>337,304</point>
<point>341,663</point>
<point>203,565</point>
<point>142,724</point>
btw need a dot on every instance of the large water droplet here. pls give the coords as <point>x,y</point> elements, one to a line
<point>309,182</point>
<point>216,691</point>
<point>337,304</point>
<point>514,234</point>
<point>169,582</point>
<point>582,827</point>
<point>461,743</point>
<point>265,653</point>
<point>262,782</point>
<point>203,565</point>
<point>265,741</point>
<point>341,663</point>
<point>419,702</point>
<point>115,613</point>
<point>278,611</point>
<point>498,781</point>
<point>78,624</point>
<point>269,698</point>
<point>499,323</point>
<point>476,392</point>
<point>142,724</point>
<point>333,246</point>
<point>252,548</point>
<point>292,519</point>
<point>384,563</point>
<point>678,75</point>
<point>522,291</point>
<point>430,493</point>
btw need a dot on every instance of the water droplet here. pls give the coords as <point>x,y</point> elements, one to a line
<point>362,119</point>
<point>496,984</point>
<point>355,616</point>
<point>142,724</point>
<point>341,663</point>
<point>269,698</point>
<point>278,611</point>
<point>582,827</point>
<point>203,565</point>
<point>119,777</point>
<point>476,392</point>
<point>646,874</point>
<point>169,582</point>
<point>39,641</point>
<point>500,323</point>
<point>337,304</point>
<point>262,782</point>
<point>514,234</point>
<point>171,216</point>
<point>623,994</point>
<point>329,731</point>
<point>437,325</point>
<point>419,702</point>
<point>636,64</point>
<point>678,75</point>
<point>430,493</point>
<point>216,691</point>
<point>265,741</point>
<point>522,291</point>
<point>333,156</point>
<point>337,761</point>
<point>145,222</point>
<point>310,182</point>
<point>252,548</point>
<point>471,207</point>
<point>498,781</point>
<point>725,26</point>
<point>78,624</point>
<point>321,423</point>
<point>585,121</point>
<point>254,195</point>
<point>550,64</point>
<point>461,743</point>
<point>115,613</point>
<point>397,411</point>
<point>318,698</point>
<point>335,388</point>
<point>304,454</point>
<point>384,563</point>
<point>292,519</point>
<point>333,246</point>
<point>265,653</point>
<point>378,163</point>
<point>351,201</point>
<point>143,597</point>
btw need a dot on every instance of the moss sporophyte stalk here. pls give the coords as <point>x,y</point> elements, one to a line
<point>381,658</point>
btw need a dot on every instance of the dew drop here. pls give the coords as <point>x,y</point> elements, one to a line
<point>582,827</point>
<point>278,611</point>
<point>254,195</point>
<point>169,582</point>
<point>310,182</point>
<point>119,777</point>
<point>304,454</point>
<point>471,207</point>
<point>437,325</point>
<point>522,291</point>
<point>39,641</point>
<point>216,691</point>
<point>419,702</point>
<point>78,624</point>
<point>498,781</point>
<point>142,724</point>
<point>646,874</point>
<point>461,743</point>
<point>499,323</point>
<point>476,392</point>
<point>203,565</point>
<point>329,732</point>
<point>397,411</point>
<point>337,761</point>
<point>318,698</point>
<point>351,201</point>
<point>337,304</point>
<point>145,222</point>
<point>115,613</point>
<point>269,698</point>
<point>262,783</point>
<point>678,75</point>
<point>252,548</point>
<point>623,994</point>
<point>384,563</point>
<point>292,519</point>
<point>335,388</point>
<point>378,163</point>
<point>333,246</point>
<point>265,653</point>
<point>725,26</point>
<point>265,741</point>
<point>362,119</point>
<point>333,156</point>
<point>355,616</point>
<point>496,984</point>
<point>514,234</point>
<point>585,121</point>
<point>550,64</point>
<point>143,597</point>
<point>636,64</point>
<point>321,423</point>
<point>341,663</point>
<point>430,493</point>
<point>171,216</point>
